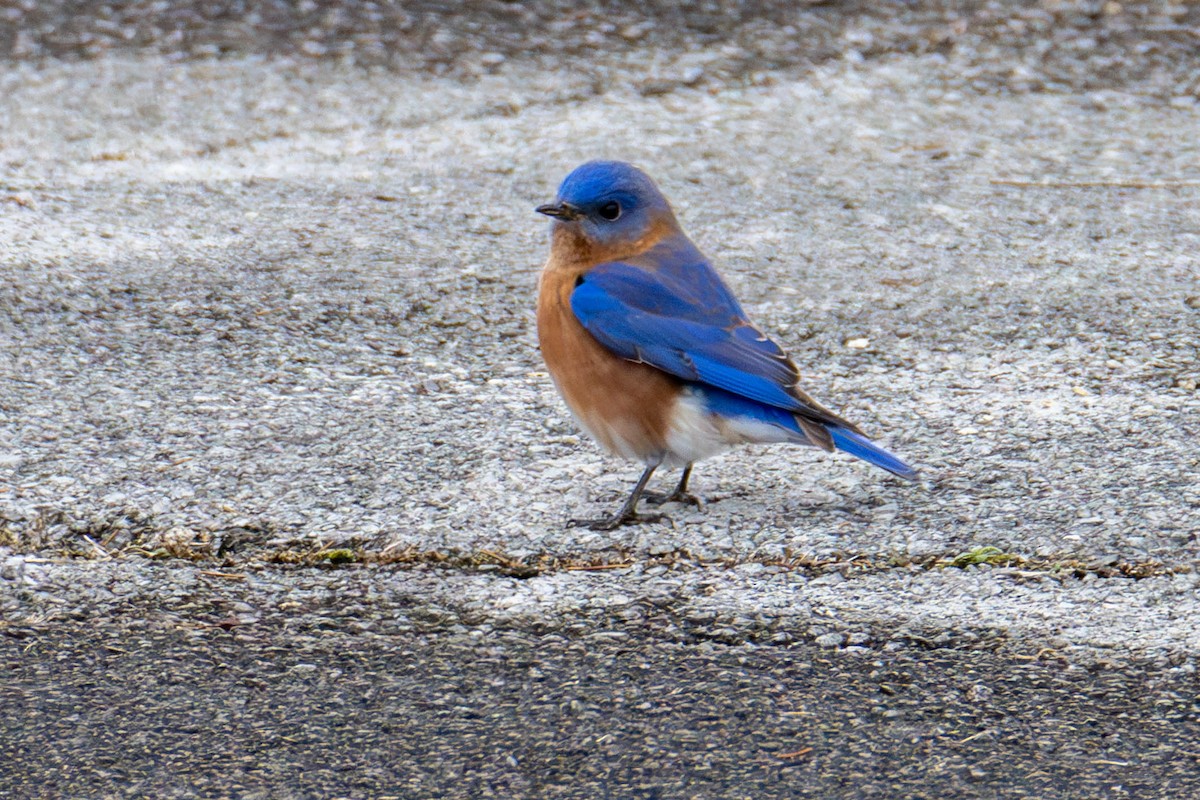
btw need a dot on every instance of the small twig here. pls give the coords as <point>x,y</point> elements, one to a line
<point>975,736</point>
<point>1111,763</point>
<point>104,553</point>
<point>502,560</point>
<point>788,756</point>
<point>107,540</point>
<point>175,463</point>
<point>586,567</point>
<point>233,576</point>
<point>1118,184</point>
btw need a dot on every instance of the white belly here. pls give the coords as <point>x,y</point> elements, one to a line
<point>696,433</point>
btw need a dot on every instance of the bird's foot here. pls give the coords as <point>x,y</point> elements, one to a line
<point>661,498</point>
<point>616,521</point>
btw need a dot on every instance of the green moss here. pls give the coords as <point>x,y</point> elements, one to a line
<point>983,555</point>
<point>339,556</point>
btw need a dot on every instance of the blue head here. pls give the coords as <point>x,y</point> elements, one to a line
<point>609,203</point>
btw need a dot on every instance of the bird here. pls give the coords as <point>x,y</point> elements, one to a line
<point>652,352</point>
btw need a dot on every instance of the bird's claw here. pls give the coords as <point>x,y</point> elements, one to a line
<point>661,498</point>
<point>616,521</point>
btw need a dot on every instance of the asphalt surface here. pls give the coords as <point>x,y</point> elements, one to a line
<point>283,482</point>
<point>205,697</point>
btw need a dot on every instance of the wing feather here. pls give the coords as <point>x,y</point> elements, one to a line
<point>682,319</point>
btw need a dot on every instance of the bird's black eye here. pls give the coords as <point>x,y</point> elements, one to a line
<point>610,210</point>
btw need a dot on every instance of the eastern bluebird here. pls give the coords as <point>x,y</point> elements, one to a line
<point>651,350</point>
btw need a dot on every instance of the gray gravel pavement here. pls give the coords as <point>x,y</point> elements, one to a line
<point>293,683</point>
<point>269,317</point>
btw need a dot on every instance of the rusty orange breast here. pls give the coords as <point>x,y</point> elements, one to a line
<point>626,406</point>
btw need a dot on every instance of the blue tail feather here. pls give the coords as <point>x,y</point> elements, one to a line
<point>731,405</point>
<point>862,447</point>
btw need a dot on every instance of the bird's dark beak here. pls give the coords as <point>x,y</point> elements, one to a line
<point>563,211</point>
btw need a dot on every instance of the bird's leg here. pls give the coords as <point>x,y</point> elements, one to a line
<point>680,495</point>
<point>627,515</point>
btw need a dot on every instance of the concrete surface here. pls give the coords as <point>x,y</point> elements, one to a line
<point>270,313</point>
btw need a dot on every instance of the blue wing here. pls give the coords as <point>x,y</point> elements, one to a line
<point>670,309</point>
